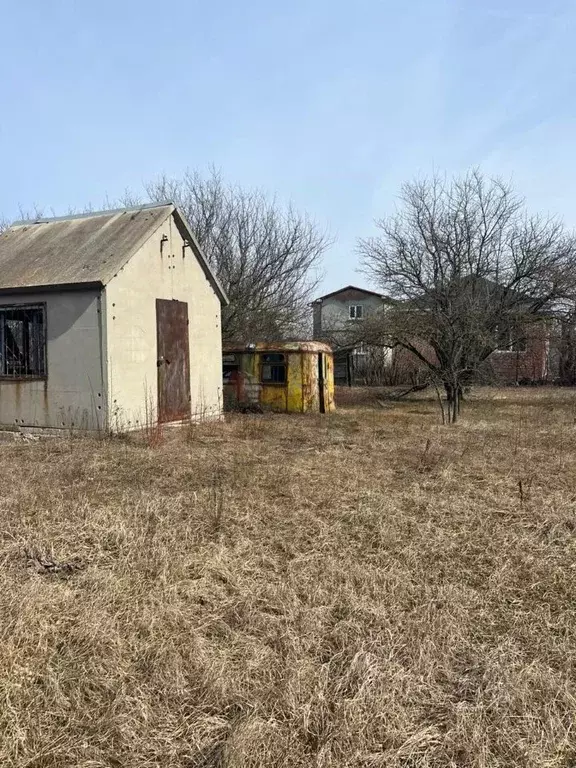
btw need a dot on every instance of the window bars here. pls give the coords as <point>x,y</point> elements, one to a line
<point>22,342</point>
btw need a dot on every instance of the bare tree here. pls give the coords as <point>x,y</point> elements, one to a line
<point>469,270</point>
<point>266,256</point>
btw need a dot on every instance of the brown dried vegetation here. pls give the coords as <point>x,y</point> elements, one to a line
<point>363,589</point>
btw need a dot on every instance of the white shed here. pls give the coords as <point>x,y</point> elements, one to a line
<point>108,320</point>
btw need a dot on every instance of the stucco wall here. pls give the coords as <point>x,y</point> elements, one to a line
<point>333,322</point>
<point>72,395</point>
<point>157,272</point>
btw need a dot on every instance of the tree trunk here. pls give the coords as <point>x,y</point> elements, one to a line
<point>456,405</point>
<point>453,396</point>
<point>440,403</point>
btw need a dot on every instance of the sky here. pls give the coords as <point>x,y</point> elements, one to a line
<point>326,104</point>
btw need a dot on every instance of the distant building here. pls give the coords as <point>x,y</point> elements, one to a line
<point>337,320</point>
<point>107,321</point>
<point>336,314</point>
<point>535,358</point>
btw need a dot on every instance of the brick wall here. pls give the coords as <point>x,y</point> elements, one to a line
<point>537,363</point>
<point>529,365</point>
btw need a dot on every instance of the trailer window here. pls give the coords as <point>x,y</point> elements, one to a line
<point>230,366</point>
<point>273,370</point>
<point>22,342</point>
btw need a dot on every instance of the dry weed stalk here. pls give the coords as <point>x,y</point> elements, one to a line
<point>293,591</point>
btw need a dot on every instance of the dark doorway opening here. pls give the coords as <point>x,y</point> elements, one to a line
<point>321,401</point>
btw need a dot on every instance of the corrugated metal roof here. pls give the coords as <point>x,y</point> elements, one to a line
<point>90,248</point>
<point>86,249</point>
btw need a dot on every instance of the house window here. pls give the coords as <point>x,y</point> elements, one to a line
<point>273,369</point>
<point>355,311</point>
<point>519,345</point>
<point>509,340</point>
<point>23,342</point>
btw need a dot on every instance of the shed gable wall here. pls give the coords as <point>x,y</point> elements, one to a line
<point>161,269</point>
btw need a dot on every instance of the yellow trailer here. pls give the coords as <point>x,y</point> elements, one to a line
<point>290,376</point>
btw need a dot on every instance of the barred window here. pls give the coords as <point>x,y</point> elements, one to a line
<point>23,342</point>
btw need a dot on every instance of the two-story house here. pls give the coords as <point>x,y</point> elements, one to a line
<point>337,320</point>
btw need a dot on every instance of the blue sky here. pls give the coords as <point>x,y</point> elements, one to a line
<point>327,104</point>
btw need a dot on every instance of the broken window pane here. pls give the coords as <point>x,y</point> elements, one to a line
<point>22,342</point>
<point>273,369</point>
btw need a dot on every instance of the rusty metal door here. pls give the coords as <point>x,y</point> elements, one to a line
<point>173,360</point>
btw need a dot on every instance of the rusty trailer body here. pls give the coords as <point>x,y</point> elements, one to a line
<point>287,376</point>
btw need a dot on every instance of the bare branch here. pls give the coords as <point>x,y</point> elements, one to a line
<point>466,265</point>
<point>266,256</point>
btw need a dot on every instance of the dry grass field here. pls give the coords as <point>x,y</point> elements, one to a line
<point>362,589</point>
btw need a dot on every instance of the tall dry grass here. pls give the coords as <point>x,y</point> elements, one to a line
<point>365,589</point>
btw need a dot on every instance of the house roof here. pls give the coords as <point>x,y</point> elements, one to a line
<point>85,250</point>
<point>349,288</point>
